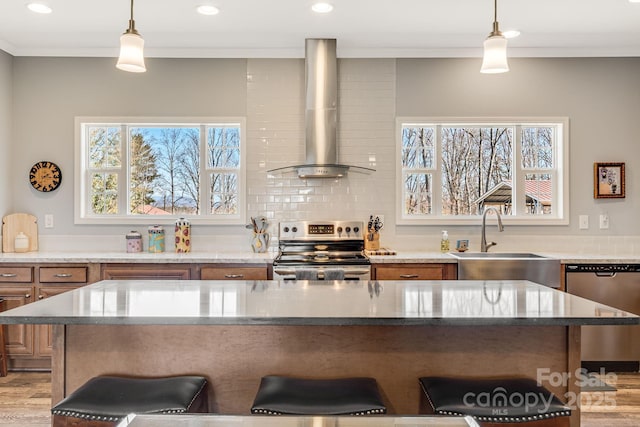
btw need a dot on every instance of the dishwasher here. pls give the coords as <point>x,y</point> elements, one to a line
<point>612,348</point>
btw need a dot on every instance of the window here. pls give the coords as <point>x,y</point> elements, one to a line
<point>449,171</point>
<point>147,170</point>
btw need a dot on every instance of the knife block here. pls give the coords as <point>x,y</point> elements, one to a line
<point>372,245</point>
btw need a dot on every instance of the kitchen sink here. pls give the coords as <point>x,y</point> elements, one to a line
<point>508,266</point>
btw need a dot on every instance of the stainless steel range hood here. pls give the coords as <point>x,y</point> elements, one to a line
<point>321,114</point>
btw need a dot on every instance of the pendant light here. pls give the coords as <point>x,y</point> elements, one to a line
<point>495,49</point>
<point>131,49</point>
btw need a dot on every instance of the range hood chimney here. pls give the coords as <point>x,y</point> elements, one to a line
<point>321,114</point>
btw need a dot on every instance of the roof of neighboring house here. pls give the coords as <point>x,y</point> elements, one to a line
<point>539,191</point>
<point>151,210</point>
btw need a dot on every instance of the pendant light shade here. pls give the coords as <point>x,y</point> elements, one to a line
<point>495,55</point>
<point>495,49</point>
<point>131,49</point>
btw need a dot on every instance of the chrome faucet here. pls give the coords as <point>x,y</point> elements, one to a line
<point>484,247</point>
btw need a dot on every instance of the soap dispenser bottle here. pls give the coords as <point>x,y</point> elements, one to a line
<point>444,242</point>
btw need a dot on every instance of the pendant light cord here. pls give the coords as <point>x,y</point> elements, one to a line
<point>132,23</point>
<point>496,30</point>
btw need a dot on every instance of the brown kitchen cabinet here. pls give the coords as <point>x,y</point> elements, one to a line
<point>233,272</point>
<point>402,271</point>
<point>17,289</point>
<point>18,338</point>
<point>147,271</point>
<point>29,346</point>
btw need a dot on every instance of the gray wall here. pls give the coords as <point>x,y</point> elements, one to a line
<point>50,92</point>
<point>601,97</point>
<point>6,97</point>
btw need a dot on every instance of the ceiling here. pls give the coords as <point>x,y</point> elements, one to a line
<point>363,28</point>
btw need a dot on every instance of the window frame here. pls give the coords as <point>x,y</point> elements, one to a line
<point>560,171</point>
<point>81,183</point>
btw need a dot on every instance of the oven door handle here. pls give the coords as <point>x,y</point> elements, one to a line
<point>352,272</point>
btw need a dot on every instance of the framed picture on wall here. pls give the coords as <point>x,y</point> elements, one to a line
<point>608,180</point>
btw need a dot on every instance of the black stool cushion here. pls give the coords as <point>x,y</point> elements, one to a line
<point>295,396</point>
<point>112,398</point>
<point>495,400</point>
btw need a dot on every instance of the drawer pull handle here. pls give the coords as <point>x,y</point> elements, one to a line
<point>408,276</point>
<point>63,275</point>
<point>27,295</point>
<point>40,296</point>
<point>234,276</point>
<point>9,275</point>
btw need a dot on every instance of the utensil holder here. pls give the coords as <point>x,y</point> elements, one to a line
<point>372,241</point>
<point>260,242</point>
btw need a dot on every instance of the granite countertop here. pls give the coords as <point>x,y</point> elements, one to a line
<point>402,257</point>
<point>400,303</point>
<point>141,257</point>
<point>213,257</point>
<point>202,420</point>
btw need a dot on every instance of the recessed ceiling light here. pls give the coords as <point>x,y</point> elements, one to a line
<point>634,1</point>
<point>39,8</point>
<point>322,7</point>
<point>509,34</point>
<point>207,9</point>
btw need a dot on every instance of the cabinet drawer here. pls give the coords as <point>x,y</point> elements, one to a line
<point>16,274</point>
<point>233,273</point>
<point>63,274</point>
<point>409,272</point>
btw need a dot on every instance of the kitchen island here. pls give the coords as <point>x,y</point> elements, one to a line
<point>235,332</point>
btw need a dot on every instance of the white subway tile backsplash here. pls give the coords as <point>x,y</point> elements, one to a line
<point>366,135</point>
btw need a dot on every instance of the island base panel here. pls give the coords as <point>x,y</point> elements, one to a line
<point>236,357</point>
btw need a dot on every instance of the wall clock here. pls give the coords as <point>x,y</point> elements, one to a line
<point>45,176</point>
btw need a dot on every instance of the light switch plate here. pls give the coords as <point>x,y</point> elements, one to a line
<point>48,221</point>
<point>604,221</point>
<point>584,222</point>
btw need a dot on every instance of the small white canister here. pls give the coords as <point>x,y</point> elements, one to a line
<point>134,242</point>
<point>21,242</point>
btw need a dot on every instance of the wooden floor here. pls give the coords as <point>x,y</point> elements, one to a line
<point>620,408</point>
<point>25,401</point>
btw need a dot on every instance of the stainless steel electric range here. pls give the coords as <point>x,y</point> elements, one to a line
<point>321,250</point>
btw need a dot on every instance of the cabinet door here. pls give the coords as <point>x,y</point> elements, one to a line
<point>146,272</point>
<point>233,273</point>
<point>44,336</point>
<point>18,338</point>
<point>414,272</point>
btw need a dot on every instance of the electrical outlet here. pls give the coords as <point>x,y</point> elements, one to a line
<point>584,222</point>
<point>48,221</point>
<point>604,221</point>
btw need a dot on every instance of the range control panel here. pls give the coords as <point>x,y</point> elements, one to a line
<point>602,268</point>
<point>333,230</point>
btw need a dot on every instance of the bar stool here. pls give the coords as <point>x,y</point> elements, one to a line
<point>278,395</point>
<point>3,345</point>
<point>494,402</point>
<point>104,401</point>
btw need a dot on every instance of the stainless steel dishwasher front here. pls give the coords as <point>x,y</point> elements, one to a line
<point>616,285</point>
